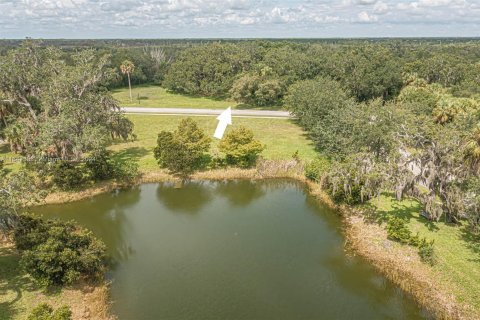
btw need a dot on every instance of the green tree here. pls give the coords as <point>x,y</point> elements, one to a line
<point>56,106</point>
<point>184,150</point>
<point>100,165</point>
<point>127,67</point>
<point>240,147</point>
<point>207,70</point>
<point>58,253</point>
<point>17,191</point>
<point>312,100</point>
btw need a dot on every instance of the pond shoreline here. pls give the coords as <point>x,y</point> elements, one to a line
<point>400,264</point>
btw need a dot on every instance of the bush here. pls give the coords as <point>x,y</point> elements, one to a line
<point>240,147</point>
<point>426,251</point>
<point>126,171</point>
<point>45,312</point>
<point>58,253</point>
<point>67,175</point>
<point>182,151</point>
<point>351,198</point>
<point>398,230</point>
<point>316,169</point>
<point>100,165</point>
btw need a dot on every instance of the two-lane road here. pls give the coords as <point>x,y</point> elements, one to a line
<point>206,112</point>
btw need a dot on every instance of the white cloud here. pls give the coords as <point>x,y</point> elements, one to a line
<point>380,7</point>
<point>64,18</point>
<point>366,18</point>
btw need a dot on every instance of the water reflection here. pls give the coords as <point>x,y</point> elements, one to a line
<point>230,190</point>
<point>189,198</point>
<point>105,215</point>
<point>255,250</point>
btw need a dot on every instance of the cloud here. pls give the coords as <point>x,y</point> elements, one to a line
<point>366,2</point>
<point>364,17</point>
<point>380,7</point>
<point>210,18</point>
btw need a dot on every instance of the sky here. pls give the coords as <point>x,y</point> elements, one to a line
<point>238,18</point>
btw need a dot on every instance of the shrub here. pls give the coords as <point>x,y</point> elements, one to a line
<point>45,312</point>
<point>100,165</point>
<point>240,147</point>
<point>58,253</point>
<point>398,230</point>
<point>182,151</point>
<point>426,251</point>
<point>67,175</point>
<point>126,171</point>
<point>316,169</point>
<point>353,197</point>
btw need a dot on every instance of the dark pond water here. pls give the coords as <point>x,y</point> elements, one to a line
<point>232,250</point>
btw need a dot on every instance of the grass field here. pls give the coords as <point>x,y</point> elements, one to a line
<point>458,254</point>
<point>280,136</point>
<point>150,96</point>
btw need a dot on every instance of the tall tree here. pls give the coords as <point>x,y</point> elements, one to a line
<point>127,67</point>
<point>56,107</point>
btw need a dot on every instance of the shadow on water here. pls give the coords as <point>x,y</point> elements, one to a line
<point>190,198</point>
<point>240,193</point>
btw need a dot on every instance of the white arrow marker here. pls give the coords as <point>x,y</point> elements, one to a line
<point>224,119</point>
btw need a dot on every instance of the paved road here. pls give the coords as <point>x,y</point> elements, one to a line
<point>207,112</point>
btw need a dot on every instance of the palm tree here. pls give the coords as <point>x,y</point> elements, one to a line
<point>472,148</point>
<point>127,67</point>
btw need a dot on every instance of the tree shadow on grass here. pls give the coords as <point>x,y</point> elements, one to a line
<point>405,211</point>
<point>245,106</point>
<point>12,279</point>
<point>133,153</point>
<point>473,242</point>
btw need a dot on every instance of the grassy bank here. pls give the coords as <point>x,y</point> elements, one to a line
<point>450,289</point>
<point>281,137</point>
<point>151,96</point>
<point>458,259</point>
<point>19,294</point>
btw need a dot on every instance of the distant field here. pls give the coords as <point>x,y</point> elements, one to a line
<point>281,137</point>
<point>150,96</point>
<point>456,249</point>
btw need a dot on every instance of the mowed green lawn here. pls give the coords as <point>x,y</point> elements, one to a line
<point>458,253</point>
<point>151,96</point>
<point>282,138</point>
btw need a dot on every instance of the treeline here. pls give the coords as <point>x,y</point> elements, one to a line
<point>260,72</point>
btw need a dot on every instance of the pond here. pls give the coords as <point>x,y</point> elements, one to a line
<point>232,250</point>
